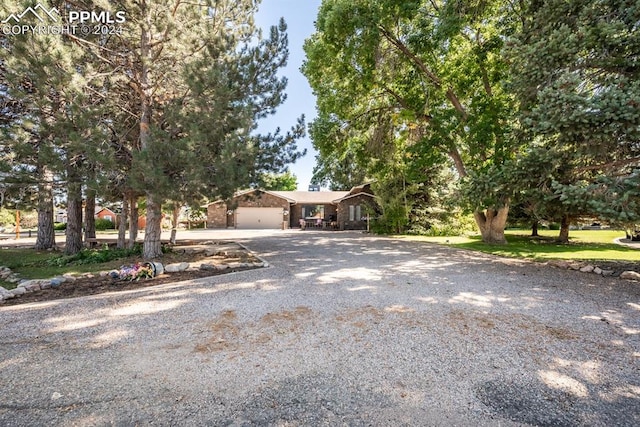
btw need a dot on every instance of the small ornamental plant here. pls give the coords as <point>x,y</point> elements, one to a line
<point>133,272</point>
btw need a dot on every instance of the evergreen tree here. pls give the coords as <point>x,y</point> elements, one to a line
<point>576,72</point>
<point>57,132</point>
<point>198,81</point>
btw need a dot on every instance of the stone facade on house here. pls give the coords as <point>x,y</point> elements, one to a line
<point>217,215</point>
<point>352,211</point>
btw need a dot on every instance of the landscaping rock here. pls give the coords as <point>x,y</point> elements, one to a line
<point>194,250</point>
<point>630,275</point>
<point>57,281</point>
<point>18,291</point>
<point>207,267</point>
<point>576,266</point>
<point>45,285</point>
<point>222,267</point>
<point>5,294</point>
<point>597,270</point>
<point>177,267</point>
<point>35,286</point>
<point>559,264</point>
<point>587,269</point>
<point>607,272</point>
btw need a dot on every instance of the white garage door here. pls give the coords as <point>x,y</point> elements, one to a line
<point>265,218</point>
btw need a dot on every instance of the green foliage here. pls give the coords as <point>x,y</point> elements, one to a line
<point>104,224</point>
<point>574,69</point>
<point>167,109</point>
<point>445,224</point>
<point>197,213</point>
<point>93,256</point>
<point>395,208</point>
<point>60,226</point>
<point>279,182</point>
<point>402,86</point>
<point>613,199</point>
<point>7,217</point>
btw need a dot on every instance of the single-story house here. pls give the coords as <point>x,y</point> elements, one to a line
<point>106,213</point>
<point>265,209</point>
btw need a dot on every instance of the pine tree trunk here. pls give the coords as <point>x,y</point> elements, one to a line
<point>46,238</point>
<point>174,224</point>
<point>153,231</point>
<point>133,221</point>
<point>563,237</point>
<point>73,243</point>
<point>534,229</point>
<point>90,214</point>
<point>122,225</point>
<point>491,224</point>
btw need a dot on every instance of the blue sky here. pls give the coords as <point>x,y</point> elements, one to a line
<point>299,15</point>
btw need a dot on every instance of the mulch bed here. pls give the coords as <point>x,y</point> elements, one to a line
<point>96,285</point>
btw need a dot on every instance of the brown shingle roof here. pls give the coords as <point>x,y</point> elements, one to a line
<point>312,197</point>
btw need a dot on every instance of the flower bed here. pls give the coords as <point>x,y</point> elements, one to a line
<point>135,272</point>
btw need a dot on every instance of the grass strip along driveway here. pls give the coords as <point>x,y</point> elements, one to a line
<point>584,245</point>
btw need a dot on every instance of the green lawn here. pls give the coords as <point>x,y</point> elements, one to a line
<point>583,245</point>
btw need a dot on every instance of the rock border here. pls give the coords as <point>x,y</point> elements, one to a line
<point>36,285</point>
<point>590,268</point>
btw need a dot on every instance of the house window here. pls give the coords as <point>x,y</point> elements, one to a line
<point>313,211</point>
<point>355,213</point>
<point>108,218</point>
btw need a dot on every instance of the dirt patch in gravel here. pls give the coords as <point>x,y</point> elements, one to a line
<point>83,286</point>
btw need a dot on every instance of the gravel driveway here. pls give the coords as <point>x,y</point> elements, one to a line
<point>342,329</point>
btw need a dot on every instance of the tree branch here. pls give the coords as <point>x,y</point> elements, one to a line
<point>451,96</point>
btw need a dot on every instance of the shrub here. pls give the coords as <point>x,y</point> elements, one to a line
<point>450,224</point>
<point>59,226</point>
<point>104,224</point>
<point>28,219</point>
<point>94,256</point>
<point>7,217</point>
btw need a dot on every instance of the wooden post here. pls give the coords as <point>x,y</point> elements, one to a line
<point>17,224</point>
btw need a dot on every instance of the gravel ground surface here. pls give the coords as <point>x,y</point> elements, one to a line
<point>342,329</point>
